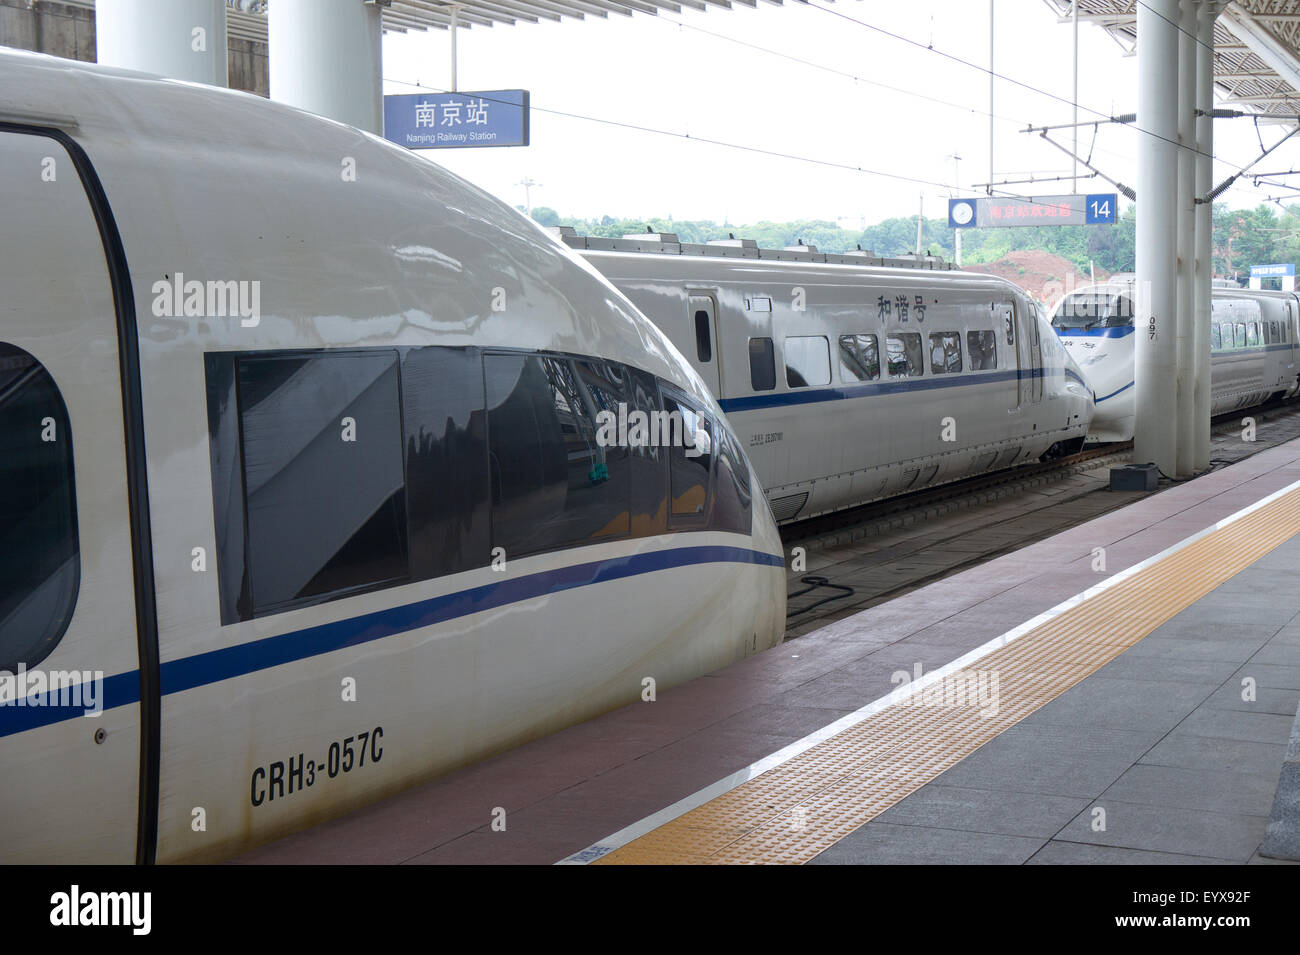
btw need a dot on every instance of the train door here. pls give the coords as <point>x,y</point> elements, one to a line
<point>70,687</point>
<point>1290,368</point>
<point>703,309</point>
<point>1017,350</point>
<point>1031,329</point>
<point>1029,354</point>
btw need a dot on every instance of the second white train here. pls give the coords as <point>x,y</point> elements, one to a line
<point>1254,349</point>
<point>851,378</point>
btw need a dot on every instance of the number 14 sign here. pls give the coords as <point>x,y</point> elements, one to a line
<point>1099,208</point>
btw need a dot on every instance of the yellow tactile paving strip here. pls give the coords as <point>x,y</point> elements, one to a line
<point>803,806</point>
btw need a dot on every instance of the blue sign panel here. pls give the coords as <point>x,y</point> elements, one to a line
<point>988,212</point>
<point>1271,271</point>
<point>1099,208</point>
<point>448,120</point>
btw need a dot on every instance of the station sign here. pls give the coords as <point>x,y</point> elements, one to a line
<point>1098,208</point>
<point>457,120</point>
<point>1272,271</point>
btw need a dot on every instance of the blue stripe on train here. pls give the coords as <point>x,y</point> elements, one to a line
<point>1115,392</point>
<point>1119,332</point>
<point>202,669</point>
<point>867,389</point>
<point>1235,351</point>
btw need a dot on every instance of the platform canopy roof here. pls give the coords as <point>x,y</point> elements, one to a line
<point>1256,48</point>
<point>402,15</point>
<point>247,20</point>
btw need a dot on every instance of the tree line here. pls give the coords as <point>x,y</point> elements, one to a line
<point>1242,238</point>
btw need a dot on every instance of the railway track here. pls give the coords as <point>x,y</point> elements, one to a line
<point>867,519</point>
<point>864,556</point>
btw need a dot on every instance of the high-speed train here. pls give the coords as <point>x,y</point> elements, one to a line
<point>1254,348</point>
<point>307,485</point>
<point>851,378</point>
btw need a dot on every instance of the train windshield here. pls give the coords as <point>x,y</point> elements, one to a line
<point>1093,310</point>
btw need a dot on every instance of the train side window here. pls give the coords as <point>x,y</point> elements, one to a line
<point>555,479</point>
<point>690,461</point>
<point>859,358</point>
<point>702,309</point>
<point>444,429</point>
<point>732,502</point>
<point>1272,333</point>
<point>40,562</point>
<point>1011,328</point>
<point>945,353</point>
<point>321,440</point>
<point>648,460</point>
<point>1216,339</point>
<point>807,361</point>
<point>1240,338</point>
<point>903,354</point>
<point>983,348</point>
<point>1252,334</point>
<point>762,364</point>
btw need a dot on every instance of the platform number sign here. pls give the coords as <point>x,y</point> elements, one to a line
<point>992,212</point>
<point>1099,208</point>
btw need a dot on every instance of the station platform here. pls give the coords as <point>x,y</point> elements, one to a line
<point>1123,691</point>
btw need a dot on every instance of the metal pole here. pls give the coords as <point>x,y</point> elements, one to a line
<point>920,221</point>
<point>1155,364</point>
<point>956,184</point>
<point>455,17</point>
<point>990,96</point>
<point>1074,170</point>
<point>1204,250</point>
<point>1185,226</point>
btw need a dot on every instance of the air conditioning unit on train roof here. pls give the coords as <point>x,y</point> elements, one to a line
<point>664,238</point>
<point>730,247</point>
<point>801,248</point>
<point>922,261</point>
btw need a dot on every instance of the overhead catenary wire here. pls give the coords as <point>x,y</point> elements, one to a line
<point>1001,76</point>
<point>929,47</point>
<point>960,107</point>
<point>826,163</point>
<point>758,150</point>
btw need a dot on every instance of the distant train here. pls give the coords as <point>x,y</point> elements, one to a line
<point>852,378</point>
<point>1254,349</point>
<point>303,496</point>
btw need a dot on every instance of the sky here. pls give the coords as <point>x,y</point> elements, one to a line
<point>894,112</point>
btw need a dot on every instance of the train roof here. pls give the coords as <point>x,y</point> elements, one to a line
<point>355,241</point>
<point>667,243</point>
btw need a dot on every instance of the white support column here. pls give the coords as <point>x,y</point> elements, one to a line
<point>1155,365</point>
<point>1206,15</point>
<point>1185,236</point>
<point>325,57</point>
<point>180,39</point>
